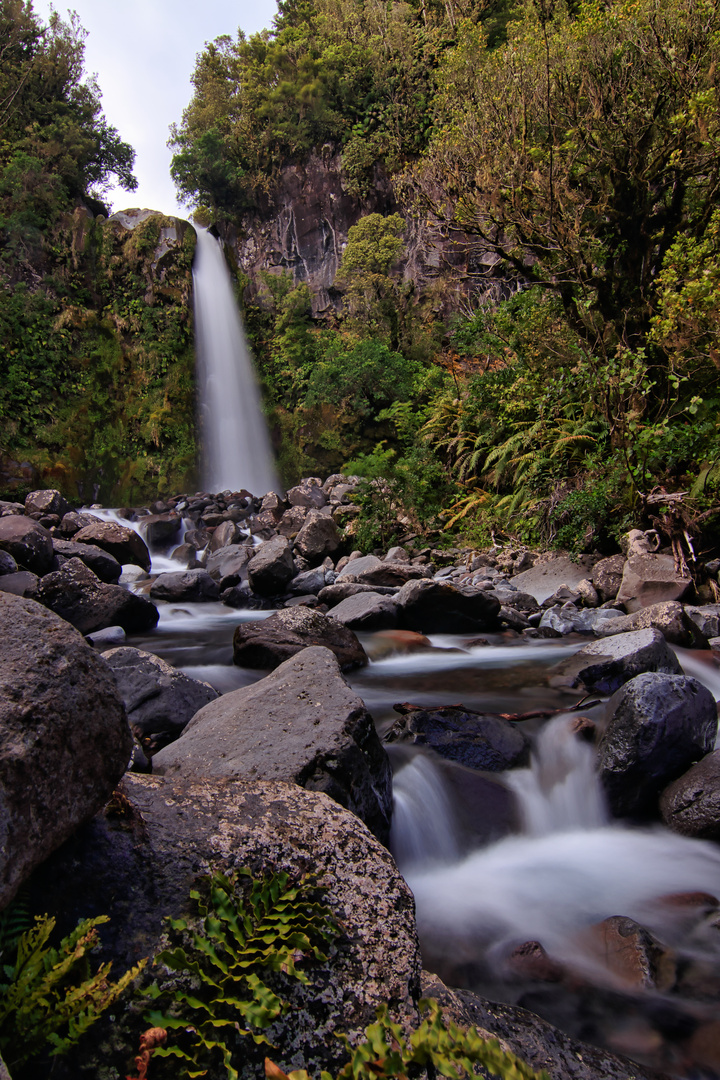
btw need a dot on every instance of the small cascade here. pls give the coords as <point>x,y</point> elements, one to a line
<point>236,450</point>
<point>162,561</point>
<point>424,829</point>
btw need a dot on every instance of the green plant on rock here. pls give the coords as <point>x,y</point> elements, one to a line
<point>48,996</point>
<point>437,1046</point>
<point>251,933</point>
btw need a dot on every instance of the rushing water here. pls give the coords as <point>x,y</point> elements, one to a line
<point>236,449</point>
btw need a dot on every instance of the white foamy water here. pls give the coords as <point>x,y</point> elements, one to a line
<point>162,562</point>
<point>236,449</point>
<point>424,829</point>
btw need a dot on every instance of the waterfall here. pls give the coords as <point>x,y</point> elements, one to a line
<point>236,449</point>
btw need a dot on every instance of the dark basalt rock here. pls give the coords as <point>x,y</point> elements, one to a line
<point>604,666</point>
<point>436,607</point>
<point>185,586</point>
<point>272,567</point>
<point>367,611</point>
<point>469,738</point>
<point>120,541</point>
<point>102,564</point>
<point>270,642</point>
<point>658,726</point>
<point>77,595</point>
<point>28,542</point>
<point>691,805</point>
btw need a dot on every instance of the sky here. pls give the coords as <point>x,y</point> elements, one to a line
<point>143,52</point>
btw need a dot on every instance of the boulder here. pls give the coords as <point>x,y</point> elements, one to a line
<point>308,583</point>
<point>340,590</point>
<point>77,595</point>
<point>119,540</point>
<point>157,697</point>
<point>224,535</point>
<point>367,611</point>
<point>185,586</point>
<point>160,530</point>
<point>669,618</point>
<point>7,563</point>
<point>436,607</point>
<point>74,521</point>
<point>292,521</point>
<point>28,542</point>
<point>650,578</point>
<point>469,738</point>
<point>47,501</point>
<point>302,724</point>
<point>139,861</point>
<point>272,567</point>
<point>631,954</point>
<point>64,737</point>
<point>229,565</point>
<point>103,565</point>
<point>704,621</point>
<point>518,601</point>
<point>318,538</point>
<point>268,643</point>
<point>604,666</point>
<point>658,726</point>
<point>308,493</point>
<point>568,619</point>
<point>356,566</point>
<point>23,583</point>
<point>546,576</point>
<point>691,804</point>
<point>607,577</point>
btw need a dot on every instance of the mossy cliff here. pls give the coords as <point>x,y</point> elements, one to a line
<point>97,394</point>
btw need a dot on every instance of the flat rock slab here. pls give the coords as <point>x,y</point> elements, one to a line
<point>604,666</point>
<point>270,642</point>
<point>64,737</point>
<point>139,862</point>
<point>469,738</point>
<point>157,697</point>
<point>658,726</point>
<point>302,724</point>
<point>545,578</point>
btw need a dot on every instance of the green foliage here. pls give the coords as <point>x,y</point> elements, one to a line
<point>48,996</point>
<point>246,943</point>
<point>437,1046</point>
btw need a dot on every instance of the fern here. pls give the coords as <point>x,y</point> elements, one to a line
<point>245,935</point>
<point>41,1004</point>
<point>438,1046</point>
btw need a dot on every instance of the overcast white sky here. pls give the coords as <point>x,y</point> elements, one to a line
<point>143,52</point>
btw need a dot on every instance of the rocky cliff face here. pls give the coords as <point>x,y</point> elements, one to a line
<point>303,228</point>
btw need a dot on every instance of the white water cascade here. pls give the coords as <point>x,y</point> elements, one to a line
<point>236,450</point>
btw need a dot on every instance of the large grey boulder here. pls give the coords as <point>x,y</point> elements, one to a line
<point>119,540</point>
<point>29,543</point>
<point>302,724</point>
<point>546,576</point>
<point>267,643</point>
<point>607,576</point>
<point>64,737</point>
<point>650,578</point>
<point>157,697</point>
<point>272,567</point>
<point>469,738</point>
<point>367,611</point>
<point>185,586</point>
<point>229,565</point>
<point>104,565</point>
<point>358,566</point>
<point>658,726</point>
<point>691,804</point>
<point>669,618</point>
<point>22,583</point>
<point>308,583</point>
<point>7,563</point>
<point>226,534</point>
<point>388,574</point>
<point>308,493</point>
<point>46,501</point>
<point>704,621</point>
<point>318,537</point>
<point>604,666</point>
<point>76,594</point>
<point>139,864</point>
<point>436,607</point>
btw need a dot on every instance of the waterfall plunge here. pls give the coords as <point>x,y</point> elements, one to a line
<point>236,449</point>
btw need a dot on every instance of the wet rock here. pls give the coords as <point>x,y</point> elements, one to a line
<point>537,1042</point>
<point>77,595</point>
<point>229,565</point>
<point>302,724</point>
<point>704,620</point>
<point>270,642</point>
<point>568,619</point>
<point>632,954</point>
<point>367,611</point>
<point>103,565</point>
<point>111,635</point>
<point>604,666</point>
<point>140,861</point>
<point>64,737</point>
<point>47,501</point>
<point>157,697</point>
<point>691,805</point>
<point>272,567</point>
<point>226,534</point>
<point>119,540</point>
<point>160,529</point>
<point>28,542</point>
<point>530,961</point>
<point>318,537</point>
<point>308,582</point>
<point>7,563</point>
<point>651,579</point>
<point>390,642</point>
<point>308,493</point>
<point>436,607</point>
<point>23,583</point>
<point>74,521</point>
<point>668,618</point>
<point>658,726</point>
<point>469,738</point>
<point>185,586</point>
